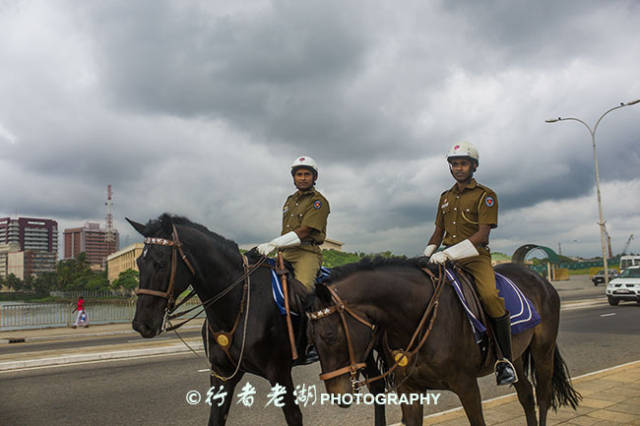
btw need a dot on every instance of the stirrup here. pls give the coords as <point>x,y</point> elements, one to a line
<point>507,374</point>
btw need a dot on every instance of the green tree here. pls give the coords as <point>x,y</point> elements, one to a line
<point>44,283</point>
<point>74,274</point>
<point>333,258</point>
<point>127,280</point>
<point>98,282</point>
<point>14,282</point>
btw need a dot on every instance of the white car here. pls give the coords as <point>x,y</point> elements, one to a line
<point>625,287</point>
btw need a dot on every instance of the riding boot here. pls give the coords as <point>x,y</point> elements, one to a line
<point>505,371</point>
<point>310,354</point>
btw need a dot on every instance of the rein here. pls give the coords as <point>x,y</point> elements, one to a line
<point>223,339</point>
<point>401,358</point>
<point>248,271</point>
<point>176,246</point>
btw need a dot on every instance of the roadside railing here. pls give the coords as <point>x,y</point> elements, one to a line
<point>88,293</point>
<point>45,315</point>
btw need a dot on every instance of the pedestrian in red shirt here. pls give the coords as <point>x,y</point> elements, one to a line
<point>82,319</point>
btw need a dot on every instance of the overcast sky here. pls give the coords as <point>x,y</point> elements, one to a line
<point>198,108</point>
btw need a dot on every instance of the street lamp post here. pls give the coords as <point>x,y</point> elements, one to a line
<point>603,230</point>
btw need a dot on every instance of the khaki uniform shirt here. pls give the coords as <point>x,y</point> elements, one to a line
<point>308,208</point>
<point>460,213</point>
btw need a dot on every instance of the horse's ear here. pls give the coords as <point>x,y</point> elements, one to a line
<point>137,226</point>
<point>323,293</point>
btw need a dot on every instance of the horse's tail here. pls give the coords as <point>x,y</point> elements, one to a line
<point>562,391</point>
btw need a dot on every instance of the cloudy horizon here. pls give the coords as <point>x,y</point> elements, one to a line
<point>198,108</point>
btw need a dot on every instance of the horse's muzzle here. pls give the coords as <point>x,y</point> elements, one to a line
<point>144,330</point>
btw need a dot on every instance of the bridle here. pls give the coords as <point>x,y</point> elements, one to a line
<point>401,357</point>
<point>176,248</point>
<point>340,307</point>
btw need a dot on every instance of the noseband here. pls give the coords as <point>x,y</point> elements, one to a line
<point>176,247</point>
<point>341,307</point>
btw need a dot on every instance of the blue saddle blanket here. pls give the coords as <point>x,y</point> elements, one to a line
<point>276,285</point>
<point>523,313</point>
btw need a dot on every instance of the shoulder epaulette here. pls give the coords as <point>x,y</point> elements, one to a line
<point>485,188</point>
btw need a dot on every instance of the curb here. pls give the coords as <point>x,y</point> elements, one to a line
<point>97,356</point>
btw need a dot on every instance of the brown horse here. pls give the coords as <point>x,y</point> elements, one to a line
<point>382,304</point>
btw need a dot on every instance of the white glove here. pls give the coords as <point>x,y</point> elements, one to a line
<point>290,239</point>
<point>428,251</point>
<point>462,250</point>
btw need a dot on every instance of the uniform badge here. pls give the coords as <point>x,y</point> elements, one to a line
<point>317,204</point>
<point>489,201</point>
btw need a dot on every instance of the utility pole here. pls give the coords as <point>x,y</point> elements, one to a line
<point>601,222</point>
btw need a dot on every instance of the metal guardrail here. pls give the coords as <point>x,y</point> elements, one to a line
<point>44,315</point>
<point>87,293</point>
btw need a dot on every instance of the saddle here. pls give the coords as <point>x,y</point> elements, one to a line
<point>522,312</point>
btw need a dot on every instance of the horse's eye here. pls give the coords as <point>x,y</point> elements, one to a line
<point>329,335</point>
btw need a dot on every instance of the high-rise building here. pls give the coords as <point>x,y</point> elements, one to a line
<point>28,246</point>
<point>92,240</point>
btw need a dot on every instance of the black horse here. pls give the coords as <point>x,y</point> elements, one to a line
<point>395,302</point>
<point>246,331</point>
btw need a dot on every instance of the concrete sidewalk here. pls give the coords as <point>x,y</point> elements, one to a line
<point>107,351</point>
<point>610,397</point>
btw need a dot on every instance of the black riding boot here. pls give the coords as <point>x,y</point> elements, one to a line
<point>505,372</point>
<point>307,353</point>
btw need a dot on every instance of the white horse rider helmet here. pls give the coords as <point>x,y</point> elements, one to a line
<point>306,162</point>
<point>464,150</point>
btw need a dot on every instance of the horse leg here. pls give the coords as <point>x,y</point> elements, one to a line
<point>412,414</point>
<point>469,393</point>
<point>376,388</point>
<point>543,363</point>
<point>525,392</point>
<point>292,412</point>
<point>218,414</point>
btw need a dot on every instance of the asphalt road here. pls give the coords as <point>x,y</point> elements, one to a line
<point>152,390</point>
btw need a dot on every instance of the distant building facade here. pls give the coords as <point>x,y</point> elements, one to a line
<point>28,246</point>
<point>330,244</point>
<point>122,260</point>
<point>92,240</point>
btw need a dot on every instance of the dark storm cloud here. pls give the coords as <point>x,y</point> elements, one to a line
<point>283,73</point>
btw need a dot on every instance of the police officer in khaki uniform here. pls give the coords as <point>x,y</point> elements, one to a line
<point>304,224</point>
<point>466,214</point>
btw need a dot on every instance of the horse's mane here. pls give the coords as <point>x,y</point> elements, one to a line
<point>371,263</point>
<point>366,264</point>
<point>162,226</point>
